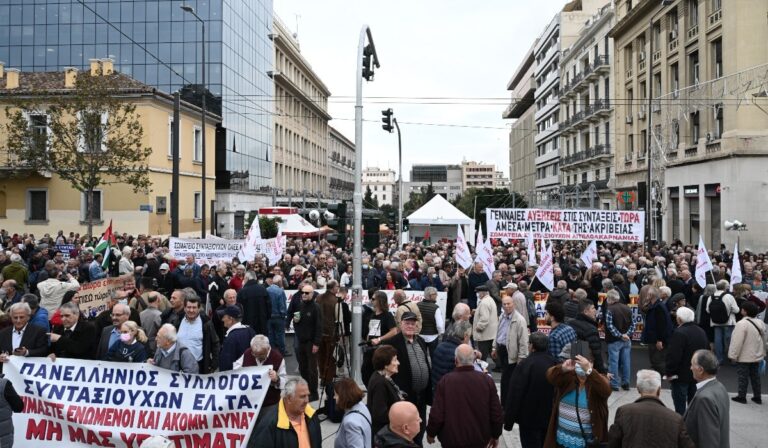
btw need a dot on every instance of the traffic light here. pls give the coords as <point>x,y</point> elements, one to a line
<point>338,223</point>
<point>392,220</point>
<point>367,63</point>
<point>371,233</point>
<point>386,118</point>
<point>405,225</point>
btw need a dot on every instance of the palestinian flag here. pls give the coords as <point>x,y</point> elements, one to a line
<point>105,244</point>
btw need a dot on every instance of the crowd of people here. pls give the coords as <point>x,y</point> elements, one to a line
<point>427,369</point>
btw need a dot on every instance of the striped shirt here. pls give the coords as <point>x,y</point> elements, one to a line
<point>419,365</point>
<point>569,432</point>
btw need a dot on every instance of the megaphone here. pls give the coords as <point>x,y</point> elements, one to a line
<point>314,215</point>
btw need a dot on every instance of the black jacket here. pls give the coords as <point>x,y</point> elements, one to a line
<point>257,306</point>
<point>403,377</point>
<point>586,330</point>
<point>309,328</point>
<point>387,439</point>
<point>274,429</point>
<point>79,344</point>
<point>685,340</point>
<point>382,393</point>
<point>530,395</point>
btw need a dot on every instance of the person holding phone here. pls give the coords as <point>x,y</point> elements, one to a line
<point>580,409</point>
<point>22,339</point>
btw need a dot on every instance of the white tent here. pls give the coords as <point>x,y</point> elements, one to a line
<point>440,218</point>
<point>296,226</point>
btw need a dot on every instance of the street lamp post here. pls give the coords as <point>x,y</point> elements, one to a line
<point>190,10</point>
<point>366,60</point>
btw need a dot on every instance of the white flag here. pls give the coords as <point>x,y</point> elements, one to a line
<point>589,254</point>
<point>252,240</point>
<point>529,243</point>
<point>479,240</point>
<point>485,256</point>
<point>546,272</point>
<point>463,257</point>
<point>703,264</point>
<point>736,267</point>
<point>274,248</point>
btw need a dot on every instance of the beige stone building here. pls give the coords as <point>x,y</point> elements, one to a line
<point>383,185</point>
<point>522,150</point>
<point>707,65</point>
<point>41,203</point>
<point>587,120</point>
<point>477,175</point>
<point>341,165</point>
<point>301,135</point>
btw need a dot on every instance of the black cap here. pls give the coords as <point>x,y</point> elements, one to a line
<point>481,288</point>
<point>409,315</point>
<point>233,311</point>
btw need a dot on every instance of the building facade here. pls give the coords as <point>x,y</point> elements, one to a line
<point>48,35</point>
<point>477,175</point>
<point>446,180</point>
<point>341,165</point>
<point>40,203</point>
<point>301,133</point>
<point>586,116</point>
<point>522,151</point>
<point>382,183</point>
<point>707,65</point>
<point>501,181</point>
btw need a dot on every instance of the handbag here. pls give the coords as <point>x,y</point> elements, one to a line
<point>588,443</point>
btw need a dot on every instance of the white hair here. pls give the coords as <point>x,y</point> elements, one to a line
<point>23,306</point>
<point>289,390</point>
<point>665,291</point>
<point>648,381</point>
<point>15,258</point>
<point>259,342</point>
<point>685,314</point>
<point>464,360</point>
<point>170,332</point>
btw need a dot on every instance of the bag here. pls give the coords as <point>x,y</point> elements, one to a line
<point>718,312</point>
<point>592,443</point>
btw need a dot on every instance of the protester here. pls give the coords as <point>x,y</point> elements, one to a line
<point>619,326</point>
<point>510,344</point>
<point>405,305</point>
<point>237,338</point>
<point>256,304</point>
<point>529,398</point>
<point>656,330</point>
<point>277,320</point>
<point>404,424</point>
<point>443,360</point>
<point>466,411</point>
<point>111,334</point>
<point>381,326</point>
<point>747,350</point>
<point>580,408</point>
<point>684,342</point>
<point>560,333</point>
<point>307,324</point>
<point>260,353</point>
<point>486,322</point>
<point>196,332</point>
<point>22,339</point>
<point>647,423</point>
<point>73,338</point>
<point>433,319</point>
<point>585,325</point>
<point>382,390</point>
<point>151,321</point>
<point>39,315</point>
<point>355,428</point>
<point>292,423</point>
<point>171,354</point>
<point>708,416</point>
<point>130,347</point>
<point>53,288</point>
<point>722,309</point>
<point>10,402</point>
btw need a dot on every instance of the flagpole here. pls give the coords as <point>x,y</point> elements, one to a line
<point>714,282</point>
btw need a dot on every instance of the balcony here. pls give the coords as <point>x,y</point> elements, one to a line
<point>628,75</point>
<point>672,46</point>
<point>600,108</point>
<point>12,168</point>
<point>545,110</point>
<point>713,147</point>
<point>656,57</point>
<point>693,32</point>
<point>601,64</point>
<point>593,154</point>
<point>715,18</point>
<point>691,151</point>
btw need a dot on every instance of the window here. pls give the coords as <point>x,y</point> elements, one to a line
<point>584,177</point>
<point>716,5</point>
<point>37,205</point>
<point>630,147</point>
<point>719,121</point>
<point>693,63</point>
<point>607,172</point>
<point>96,204</point>
<point>643,143</point>
<point>657,85</point>
<point>693,13</point>
<point>695,128</point>
<point>170,138</point>
<point>93,126</point>
<point>197,144</point>
<point>717,58</point>
<point>38,124</point>
<point>674,79</point>
<point>656,37</point>
<point>384,197</point>
<point>198,205</point>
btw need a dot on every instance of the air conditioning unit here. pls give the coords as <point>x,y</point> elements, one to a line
<point>641,56</point>
<point>673,35</point>
<point>641,114</point>
<point>629,119</point>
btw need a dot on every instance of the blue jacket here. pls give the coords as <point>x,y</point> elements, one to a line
<point>443,360</point>
<point>355,428</point>
<point>40,318</point>
<point>95,272</point>
<point>235,343</point>
<point>277,297</point>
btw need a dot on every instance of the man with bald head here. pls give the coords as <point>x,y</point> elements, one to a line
<point>466,410</point>
<point>404,424</point>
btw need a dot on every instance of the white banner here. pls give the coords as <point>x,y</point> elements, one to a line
<point>602,225</point>
<point>75,403</point>
<point>463,257</point>
<point>703,264</point>
<point>545,272</point>
<point>208,251</point>
<point>590,254</point>
<point>735,267</point>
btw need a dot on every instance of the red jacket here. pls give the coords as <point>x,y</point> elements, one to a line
<point>466,411</point>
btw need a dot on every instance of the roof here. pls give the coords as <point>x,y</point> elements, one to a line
<point>439,211</point>
<point>49,82</point>
<point>295,225</point>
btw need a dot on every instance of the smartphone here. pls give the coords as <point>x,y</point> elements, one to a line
<point>580,348</point>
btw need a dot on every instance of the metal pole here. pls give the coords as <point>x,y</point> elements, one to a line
<point>175,169</point>
<point>649,159</point>
<point>400,186</point>
<point>202,119</point>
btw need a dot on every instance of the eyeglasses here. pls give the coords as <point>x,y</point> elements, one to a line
<point>306,292</point>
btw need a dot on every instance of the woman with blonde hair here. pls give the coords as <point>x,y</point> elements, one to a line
<point>130,347</point>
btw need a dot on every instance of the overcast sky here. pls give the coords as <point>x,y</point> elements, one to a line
<point>427,48</point>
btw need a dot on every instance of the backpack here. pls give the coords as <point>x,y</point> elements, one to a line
<point>718,312</point>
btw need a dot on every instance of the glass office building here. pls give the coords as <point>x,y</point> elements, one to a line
<point>158,43</point>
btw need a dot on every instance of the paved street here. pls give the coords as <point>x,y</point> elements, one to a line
<point>744,418</point>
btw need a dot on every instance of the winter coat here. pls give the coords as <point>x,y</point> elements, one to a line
<point>685,340</point>
<point>586,330</point>
<point>486,321</point>
<point>748,342</point>
<point>274,430</point>
<point>647,423</point>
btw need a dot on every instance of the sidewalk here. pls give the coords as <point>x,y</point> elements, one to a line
<point>747,421</point>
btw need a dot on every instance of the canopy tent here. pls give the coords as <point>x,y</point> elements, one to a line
<point>296,226</point>
<point>439,217</point>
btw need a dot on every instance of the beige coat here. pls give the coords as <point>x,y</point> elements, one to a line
<point>486,321</point>
<point>747,344</point>
<point>517,339</point>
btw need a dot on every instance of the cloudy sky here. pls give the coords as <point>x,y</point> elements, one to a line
<point>463,50</point>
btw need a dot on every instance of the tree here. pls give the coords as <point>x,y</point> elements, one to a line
<point>268,226</point>
<point>487,198</point>
<point>429,194</point>
<point>94,137</point>
<point>370,200</point>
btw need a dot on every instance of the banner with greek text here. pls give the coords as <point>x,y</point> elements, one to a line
<point>602,225</point>
<point>208,251</point>
<point>74,403</point>
<point>93,296</point>
<point>541,302</point>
